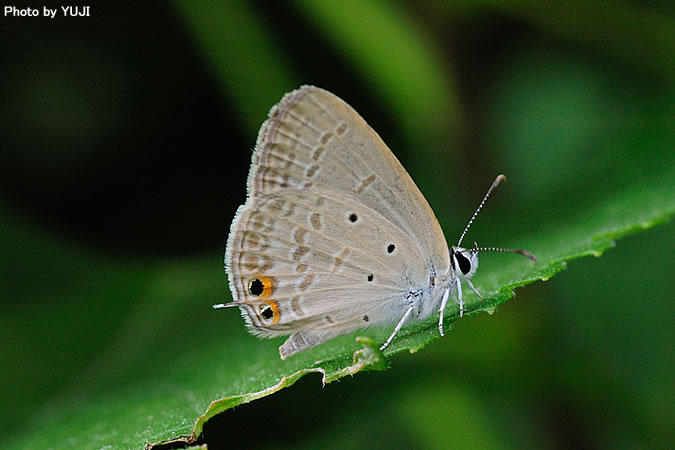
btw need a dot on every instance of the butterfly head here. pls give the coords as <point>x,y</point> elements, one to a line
<point>464,261</point>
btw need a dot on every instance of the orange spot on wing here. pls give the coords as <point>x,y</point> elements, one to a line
<point>269,285</point>
<point>274,306</point>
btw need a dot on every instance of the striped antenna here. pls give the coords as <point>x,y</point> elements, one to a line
<point>495,183</point>
<point>506,250</point>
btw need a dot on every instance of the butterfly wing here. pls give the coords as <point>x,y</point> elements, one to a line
<point>314,139</point>
<point>334,234</point>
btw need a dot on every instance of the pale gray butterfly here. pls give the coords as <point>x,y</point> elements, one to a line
<point>334,235</point>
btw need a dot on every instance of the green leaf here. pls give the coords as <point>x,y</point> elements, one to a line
<point>169,398</point>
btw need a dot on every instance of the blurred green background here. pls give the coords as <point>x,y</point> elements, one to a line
<point>125,140</point>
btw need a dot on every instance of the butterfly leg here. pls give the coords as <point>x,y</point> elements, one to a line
<point>444,302</point>
<point>474,289</point>
<point>397,329</point>
<point>460,300</point>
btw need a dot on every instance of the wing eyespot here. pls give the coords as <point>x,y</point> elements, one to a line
<point>269,311</point>
<point>256,287</point>
<point>261,286</point>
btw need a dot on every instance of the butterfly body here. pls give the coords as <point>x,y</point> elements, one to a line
<point>334,235</point>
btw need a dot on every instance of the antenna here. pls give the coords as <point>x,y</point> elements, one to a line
<point>495,183</point>
<point>506,250</point>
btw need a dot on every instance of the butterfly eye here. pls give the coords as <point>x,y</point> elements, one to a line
<point>464,263</point>
<point>391,248</point>
<point>353,217</point>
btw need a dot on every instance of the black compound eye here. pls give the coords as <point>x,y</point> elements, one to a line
<point>464,263</point>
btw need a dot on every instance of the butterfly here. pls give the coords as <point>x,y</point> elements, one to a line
<point>334,235</point>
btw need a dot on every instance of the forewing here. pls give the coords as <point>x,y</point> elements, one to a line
<point>313,139</point>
